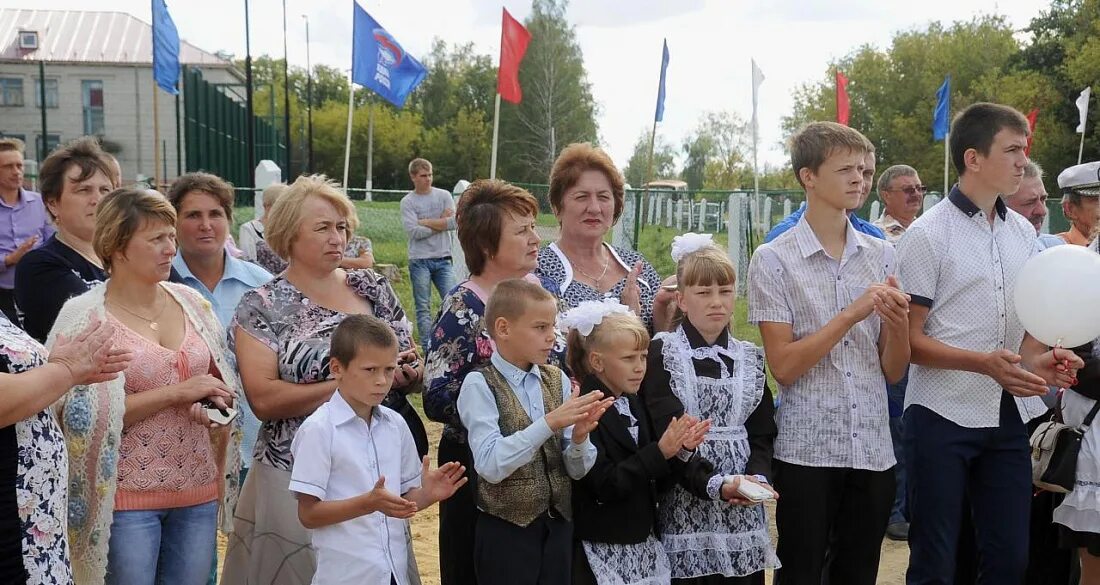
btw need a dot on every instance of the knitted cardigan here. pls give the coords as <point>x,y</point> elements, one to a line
<point>91,419</point>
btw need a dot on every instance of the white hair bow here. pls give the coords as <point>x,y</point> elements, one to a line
<point>688,243</point>
<point>585,316</point>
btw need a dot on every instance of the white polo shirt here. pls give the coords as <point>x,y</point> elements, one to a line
<point>951,261</point>
<point>337,455</point>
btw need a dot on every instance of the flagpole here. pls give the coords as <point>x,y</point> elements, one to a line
<point>370,148</point>
<point>946,155</point>
<point>347,140</point>
<point>496,133</point>
<point>1081,149</point>
<point>755,170</point>
<point>156,138</point>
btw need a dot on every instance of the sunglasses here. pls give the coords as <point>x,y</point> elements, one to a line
<point>913,190</point>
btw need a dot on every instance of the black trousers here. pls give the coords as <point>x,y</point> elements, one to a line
<point>537,554</point>
<point>947,464</point>
<point>458,520</point>
<point>831,522</point>
<point>7,305</point>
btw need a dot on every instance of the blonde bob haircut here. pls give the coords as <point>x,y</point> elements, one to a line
<point>706,266</point>
<point>614,328</point>
<point>121,214</point>
<point>288,213</point>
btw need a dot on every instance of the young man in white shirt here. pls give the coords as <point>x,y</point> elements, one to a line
<point>835,332</point>
<point>964,432</point>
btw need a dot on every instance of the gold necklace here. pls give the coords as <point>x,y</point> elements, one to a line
<point>152,322</point>
<point>91,259</point>
<point>596,281</point>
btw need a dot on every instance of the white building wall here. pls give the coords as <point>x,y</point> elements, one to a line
<point>127,108</point>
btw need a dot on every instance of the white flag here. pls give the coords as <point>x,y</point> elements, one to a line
<point>757,79</point>
<point>1083,108</point>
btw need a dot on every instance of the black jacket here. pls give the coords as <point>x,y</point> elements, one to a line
<point>616,502</point>
<point>663,405</point>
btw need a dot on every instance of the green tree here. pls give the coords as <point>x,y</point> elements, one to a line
<point>557,107</point>
<point>664,161</point>
<point>718,153</point>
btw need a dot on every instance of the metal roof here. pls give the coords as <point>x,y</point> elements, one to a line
<point>78,36</point>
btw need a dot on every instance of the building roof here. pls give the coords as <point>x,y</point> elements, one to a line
<point>80,36</point>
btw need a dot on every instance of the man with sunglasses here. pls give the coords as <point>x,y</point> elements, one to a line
<point>902,193</point>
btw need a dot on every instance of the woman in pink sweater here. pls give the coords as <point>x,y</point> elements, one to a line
<point>170,458</point>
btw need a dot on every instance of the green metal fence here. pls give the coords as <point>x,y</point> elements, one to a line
<point>215,127</point>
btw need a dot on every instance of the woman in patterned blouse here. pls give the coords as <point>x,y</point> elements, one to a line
<point>586,193</point>
<point>33,463</point>
<point>281,335</point>
<point>496,228</point>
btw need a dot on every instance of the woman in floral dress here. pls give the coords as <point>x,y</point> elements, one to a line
<point>281,333</point>
<point>33,462</point>
<point>496,227</point>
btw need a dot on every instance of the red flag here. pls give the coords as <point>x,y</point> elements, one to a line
<point>513,44</point>
<point>1032,117</point>
<point>842,107</point>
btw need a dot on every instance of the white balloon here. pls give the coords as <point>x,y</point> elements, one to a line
<point>1057,296</point>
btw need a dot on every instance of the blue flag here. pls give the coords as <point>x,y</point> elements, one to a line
<point>660,116</point>
<point>166,49</point>
<point>941,122</point>
<point>378,62</point>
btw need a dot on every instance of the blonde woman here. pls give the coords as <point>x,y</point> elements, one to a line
<point>147,470</point>
<point>281,334</point>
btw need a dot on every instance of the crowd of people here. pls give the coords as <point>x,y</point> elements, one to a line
<point>601,423</point>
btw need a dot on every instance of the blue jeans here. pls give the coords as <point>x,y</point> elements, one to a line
<point>425,272</point>
<point>896,397</point>
<point>173,546</point>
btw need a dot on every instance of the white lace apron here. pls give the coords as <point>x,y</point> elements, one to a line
<point>711,537</point>
<point>645,563</point>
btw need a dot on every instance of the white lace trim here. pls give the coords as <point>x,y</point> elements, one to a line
<point>645,563</point>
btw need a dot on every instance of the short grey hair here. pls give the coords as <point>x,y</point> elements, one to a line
<point>894,172</point>
<point>1033,170</point>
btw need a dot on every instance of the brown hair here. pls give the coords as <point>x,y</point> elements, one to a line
<point>212,185</point>
<point>976,126</point>
<point>613,327</point>
<point>357,331</point>
<point>817,141</point>
<point>8,144</point>
<point>573,162</point>
<point>122,213</point>
<point>480,218</point>
<point>511,299</point>
<point>85,154</point>
<point>706,266</point>
<point>287,215</point>
<point>419,164</point>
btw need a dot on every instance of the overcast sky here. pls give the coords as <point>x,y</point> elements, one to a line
<point>710,41</point>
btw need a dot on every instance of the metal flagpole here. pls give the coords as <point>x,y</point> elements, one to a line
<point>370,148</point>
<point>156,138</point>
<point>1081,149</point>
<point>347,141</point>
<point>496,132</point>
<point>286,97</point>
<point>946,157</point>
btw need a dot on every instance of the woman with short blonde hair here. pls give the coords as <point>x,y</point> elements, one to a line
<point>148,469</point>
<point>282,334</point>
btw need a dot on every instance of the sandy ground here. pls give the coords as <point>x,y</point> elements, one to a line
<point>425,530</point>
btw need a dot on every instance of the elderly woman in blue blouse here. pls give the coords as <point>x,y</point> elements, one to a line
<point>34,468</point>
<point>496,228</point>
<point>587,195</point>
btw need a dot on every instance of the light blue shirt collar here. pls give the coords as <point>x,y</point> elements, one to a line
<point>235,269</point>
<point>512,373</point>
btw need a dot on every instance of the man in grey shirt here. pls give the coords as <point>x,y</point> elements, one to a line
<point>428,215</point>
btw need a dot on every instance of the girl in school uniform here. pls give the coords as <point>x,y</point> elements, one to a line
<point>615,504</point>
<point>719,536</point>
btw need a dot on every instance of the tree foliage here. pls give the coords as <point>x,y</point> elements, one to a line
<point>893,90</point>
<point>664,161</point>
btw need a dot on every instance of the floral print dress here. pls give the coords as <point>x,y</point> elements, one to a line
<point>299,331</point>
<point>40,478</point>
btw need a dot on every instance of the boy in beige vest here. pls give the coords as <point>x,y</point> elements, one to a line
<point>528,430</point>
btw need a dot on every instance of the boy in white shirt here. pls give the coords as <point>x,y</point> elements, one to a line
<point>356,471</point>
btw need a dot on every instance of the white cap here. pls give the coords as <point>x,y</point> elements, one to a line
<point>460,187</point>
<point>1083,179</point>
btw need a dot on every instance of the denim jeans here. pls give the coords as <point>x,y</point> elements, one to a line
<point>425,272</point>
<point>896,397</point>
<point>172,546</point>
